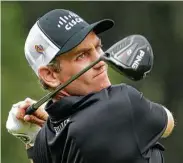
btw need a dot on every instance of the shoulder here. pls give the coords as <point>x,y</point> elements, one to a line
<point>119,88</point>
<point>126,90</point>
<point>134,94</point>
<point>123,87</point>
<point>112,105</point>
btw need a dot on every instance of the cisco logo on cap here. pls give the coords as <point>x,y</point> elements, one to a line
<point>69,21</point>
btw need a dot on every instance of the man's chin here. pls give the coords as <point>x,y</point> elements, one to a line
<point>103,84</point>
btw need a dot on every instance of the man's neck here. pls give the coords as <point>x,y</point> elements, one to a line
<point>60,95</point>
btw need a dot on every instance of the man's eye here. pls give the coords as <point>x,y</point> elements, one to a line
<point>83,55</point>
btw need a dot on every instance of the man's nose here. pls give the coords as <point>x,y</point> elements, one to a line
<point>96,54</point>
<point>99,65</point>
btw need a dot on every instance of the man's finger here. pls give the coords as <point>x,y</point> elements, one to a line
<point>30,101</point>
<point>41,114</point>
<point>23,105</point>
<point>33,119</point>
<point>21,111</point>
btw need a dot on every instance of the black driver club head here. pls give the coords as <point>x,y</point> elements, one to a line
<point>132,56</point>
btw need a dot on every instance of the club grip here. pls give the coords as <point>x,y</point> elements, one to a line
<point>30,110</point>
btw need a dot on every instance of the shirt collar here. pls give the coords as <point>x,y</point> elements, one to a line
<point>67,106</point>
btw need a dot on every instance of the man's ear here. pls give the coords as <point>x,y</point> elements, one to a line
<point>49,76</point>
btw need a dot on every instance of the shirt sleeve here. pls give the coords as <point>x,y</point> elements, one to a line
<point>30,152</point>
<point>149,119</point>
<point>39,153</point>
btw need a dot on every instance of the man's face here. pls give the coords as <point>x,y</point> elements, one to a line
<point>95,79</point>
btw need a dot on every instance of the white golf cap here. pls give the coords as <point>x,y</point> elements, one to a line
<point>57,32</point>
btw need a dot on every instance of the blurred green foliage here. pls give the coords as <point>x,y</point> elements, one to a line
<point>160,22</point>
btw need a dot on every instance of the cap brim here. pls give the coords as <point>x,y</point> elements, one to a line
<point>77,38</point>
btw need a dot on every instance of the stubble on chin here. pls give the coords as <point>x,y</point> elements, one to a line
<point>102,85</point>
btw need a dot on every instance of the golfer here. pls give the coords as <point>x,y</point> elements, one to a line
<point>90,121</point>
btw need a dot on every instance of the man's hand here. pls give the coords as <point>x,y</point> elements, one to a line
<point>25,127</point>
<point>38,117</point>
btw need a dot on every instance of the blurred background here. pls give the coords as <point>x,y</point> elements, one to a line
<point>160,22</point>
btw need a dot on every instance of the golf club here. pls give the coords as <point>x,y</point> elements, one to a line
<point>131,56</point>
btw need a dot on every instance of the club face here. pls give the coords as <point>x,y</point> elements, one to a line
<point>132,56</point>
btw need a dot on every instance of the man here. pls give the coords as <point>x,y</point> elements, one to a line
<point>90,121</point>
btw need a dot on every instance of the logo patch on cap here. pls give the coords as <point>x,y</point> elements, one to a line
<point>39,49</point>
<point>69,21</point>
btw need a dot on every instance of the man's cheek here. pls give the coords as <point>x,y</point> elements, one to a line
<point>85,78</point>
<point>81,65</point>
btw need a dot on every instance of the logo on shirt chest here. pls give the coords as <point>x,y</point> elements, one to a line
<point>59,128</point>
